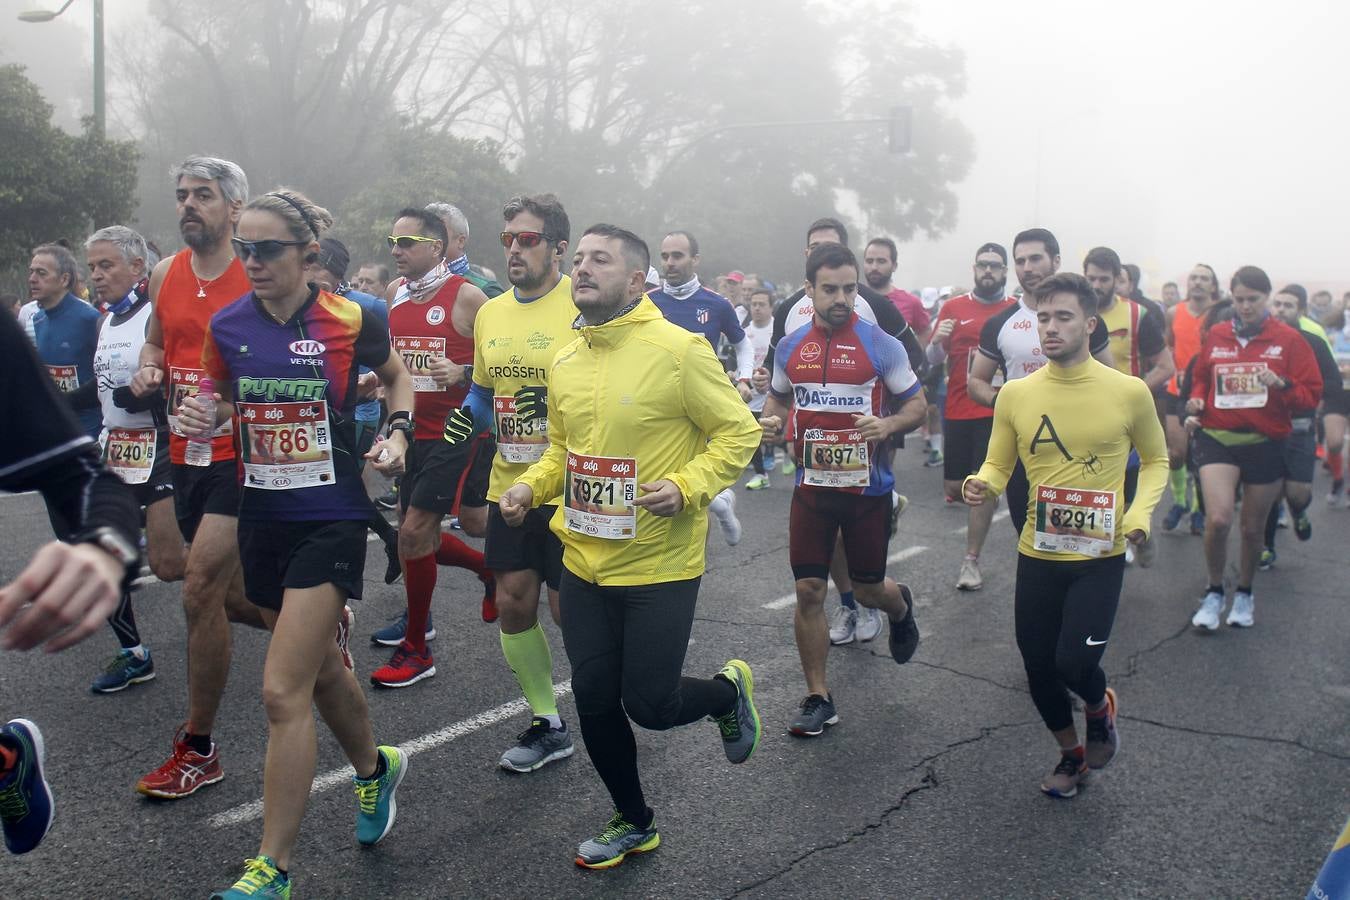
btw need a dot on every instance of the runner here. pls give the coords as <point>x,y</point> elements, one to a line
<point>838,376</point>
<point>633,526</point>
<point>431,315</point>
<point>515,339</point>
<point>759,330</point>
<point>186,289</point>
<point>456,257</point>
<point>1010,346</point>
<point>686,302</point>
<point>880,259</point>
<point>65,328</point>
<point>1335,411</point>
<point>1249,374</point>
<point>1073,424</point>
<point>966,424</point>
<point>1202,292</point>
<point>284,360</point>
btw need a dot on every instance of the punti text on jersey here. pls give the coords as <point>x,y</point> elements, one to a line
<point>272,389</point>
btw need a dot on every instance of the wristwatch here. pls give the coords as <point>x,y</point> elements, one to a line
<point>402,425</point>
<point>116,546</point>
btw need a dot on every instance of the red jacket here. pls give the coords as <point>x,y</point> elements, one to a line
<point>1225,371</point>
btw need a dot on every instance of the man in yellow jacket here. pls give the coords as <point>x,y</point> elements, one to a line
<point>644,430</point>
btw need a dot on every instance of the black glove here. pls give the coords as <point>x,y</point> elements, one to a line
<point>532,403</point>
<point>458,427</point>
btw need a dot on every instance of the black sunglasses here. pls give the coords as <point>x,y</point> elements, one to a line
<point>263,251</point>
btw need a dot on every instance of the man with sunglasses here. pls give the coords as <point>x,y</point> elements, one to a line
<point>431,316</point>
<point>185,290</point>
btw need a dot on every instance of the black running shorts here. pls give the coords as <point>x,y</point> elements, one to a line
<point>531,546</point>
<point>203,490</point>
<point>965,442</point>
<point>440,478</point>
<point>280,555</point>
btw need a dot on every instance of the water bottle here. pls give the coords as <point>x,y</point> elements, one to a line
<point>199,446</point>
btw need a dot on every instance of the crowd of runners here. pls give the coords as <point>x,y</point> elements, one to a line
<point>228,417</point>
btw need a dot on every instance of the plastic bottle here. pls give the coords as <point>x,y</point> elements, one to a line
<point>198,451</point>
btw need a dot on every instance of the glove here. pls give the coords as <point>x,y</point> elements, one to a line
<point>532,403</point>
<point>458,427</point>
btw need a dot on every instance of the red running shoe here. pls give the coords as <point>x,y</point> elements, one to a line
<point>489,599</point>
<point>406,667</point>
<point>344,636</point>
<point>185,773</point>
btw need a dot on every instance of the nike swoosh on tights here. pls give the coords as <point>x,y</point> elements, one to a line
<point>1092,643</point>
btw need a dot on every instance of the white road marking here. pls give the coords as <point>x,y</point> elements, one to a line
<point>247,812</point>
<point>791,599</point>
<point>998,517</point>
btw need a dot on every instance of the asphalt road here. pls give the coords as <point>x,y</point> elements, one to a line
<point>1233,779</point>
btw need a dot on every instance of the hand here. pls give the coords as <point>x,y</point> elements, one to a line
<point>759,379</point>
<point>1195,406</point>
<point>1192,424</point>
<point>195,419</point>
<point>1270,379</point>
<point>458,427</point>
<point>64,595</point>
<point>367,386</point>
<point>663,498</point>
<point>943,332</point>
<point>445,373</point>
<point>387,455</point>
<point>974,492</point>
<point>515,503</point>
<point>872,428</point>
<point>772,425</point>
<point>1136,537</point>
<point>147,380</point>
<point>744,390</point>
<point>532,402</point>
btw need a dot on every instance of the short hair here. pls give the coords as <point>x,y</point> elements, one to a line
<point>888,244</point>
<point>1103,258</point>
<point>8,300</point>
<point>1031,235</point>
<point>428,223</point>
<point>128,243</point>
<point>1298,292</point>
<point>761,290</point>
<point>381,270</point>
<point>1168,284</point>
<point>233,183</point>
<point>1133,272</point>
<point>830,223</point>
<point>549,209</point>
<point>1068,283</point>
<point>693,241</point>
<point>829,256</point>
<point>634,248</point>
<point>65,261</point>
<point>452,216</point>
<point>305,219</point>
<point>1252,278</point>
<point>1222,311</point>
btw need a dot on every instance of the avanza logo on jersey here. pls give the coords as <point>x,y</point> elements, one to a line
<point>833,398</point>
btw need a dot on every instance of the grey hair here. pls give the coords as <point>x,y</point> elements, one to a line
<point>288,205</point>
<point>454,219</point>
<point>65,262</point>
<point>233,183</point>
<point>129,243</point>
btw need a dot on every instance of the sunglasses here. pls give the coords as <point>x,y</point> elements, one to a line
<point>528,240</point>
<point>262,251</point>
<point>408,241</point>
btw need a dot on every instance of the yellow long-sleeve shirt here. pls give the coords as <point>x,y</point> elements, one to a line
<point>633,401</point>
<point>1073,428</point>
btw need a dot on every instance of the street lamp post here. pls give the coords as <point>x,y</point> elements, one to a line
<point>100,98</point>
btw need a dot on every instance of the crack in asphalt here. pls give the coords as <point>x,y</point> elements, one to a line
<point>1132,663</point>
<point>1260,738</point>
<point>742,562</point>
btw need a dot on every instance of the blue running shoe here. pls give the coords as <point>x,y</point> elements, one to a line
<point>620,838</point>
<point>392,634</point>
<point>1174,517</point>
<point>261,879</point>
<point>377,805</point>
<point>124,670</point>
<point>1197,522</point>
<point>26,804</point>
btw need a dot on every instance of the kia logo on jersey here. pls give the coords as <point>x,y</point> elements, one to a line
<point>810,352</point>
<point>436,315</point>
<point>307,348</point>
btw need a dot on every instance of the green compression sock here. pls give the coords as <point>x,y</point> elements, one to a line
<point>528,656</point>
<point>1176,480</point>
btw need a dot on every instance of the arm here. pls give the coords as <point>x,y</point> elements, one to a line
<point>150,375</point>
<point>1158,364</point>
<point>1099,345</point>
<point>1304,380</point>
<point>1326,364</point>
<point>745,359</point>
<point>544,479</point>
<point>1147,436</point>
<point>1001,457</point>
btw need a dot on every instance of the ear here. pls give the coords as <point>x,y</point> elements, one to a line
<point>561,247</point>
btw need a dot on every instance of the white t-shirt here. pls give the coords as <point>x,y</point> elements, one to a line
<point>758,336</point>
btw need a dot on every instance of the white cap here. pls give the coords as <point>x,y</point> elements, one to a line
<point>653,276</point>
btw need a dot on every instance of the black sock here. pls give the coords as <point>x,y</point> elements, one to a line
<point>381,766</point>
<point>1247,589</point>
<point>1214,589</point>
<point>380,525</point>
<point>200,743</point>
<point>643,821</point>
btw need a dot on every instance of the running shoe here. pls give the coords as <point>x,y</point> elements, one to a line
<point>789,466</point>
<point>393,568</point>
<point>388,500</point>
<point>1283,520</point>
<point>869,624</point>
<point>1266,561</point>
<point>1240,616</point>
<point>1129,554</point>
<point>934,458</point>
<point>489,608</point>
<point>404,669</point>
<point>344,637</point>
<point>1336,496</point>
<point>898,504</point>
<point>184,773</point>
<point>26,804</point>
<point>375,797</point>
<point>1102,741</point>
<point>758,483</point>
<point>731,526</point>
<point>905,633</point>
<point>1063,782</point>
<point>1146,554</point>
<point>741,727</point>
<point>970,578</point>
<point>1207,616</point>
<point>1174,517</point>
<point>393,634</point>
<point>122,671</point>
<point>1302,526</point>
<point>620,838</point>
<point>261,879</point>
<point>844,627</point>
<point>537,746</point>
<point>1197,522</point>
<point>815,713</point>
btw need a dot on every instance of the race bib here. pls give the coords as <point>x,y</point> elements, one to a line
<point>835,459</point>
<point>182,385</point>
<point>417,353</point>
<point>130,453</point>
<point>1239,386</point>
<point>66,378</point>
<point>518,440</point>
<point>598,496</point>
<point>1075,520</point>
<point>286,445</point>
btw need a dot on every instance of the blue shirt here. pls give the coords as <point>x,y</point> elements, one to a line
<point>374,306</point>
<point>706,312</point>
<point>67,335</point>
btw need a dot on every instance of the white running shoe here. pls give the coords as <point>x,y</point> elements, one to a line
<point>1240,616</point>
<point>723,507</point>
<point>970,578</point>
<point>1207,616</point>
<point>869,623</point>
<point>844,625</point>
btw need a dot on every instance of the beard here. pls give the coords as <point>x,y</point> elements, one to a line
<point>877,280</point>
<point>205,239</point>
<point>988,285</point>
<point>531,279</point>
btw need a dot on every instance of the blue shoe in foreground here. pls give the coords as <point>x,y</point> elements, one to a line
<point>1174,517</point>
<point>741,727</point>
<point>620,838</point>
<point>377,805</point>
<point>393,634</point>
<point>905,633</point>
<point>124,670</point>
<point>26,803</point>
<point>261,878</point>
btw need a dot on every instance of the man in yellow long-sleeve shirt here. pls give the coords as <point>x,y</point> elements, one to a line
<point>644,430</point>
<point>1072,424</point>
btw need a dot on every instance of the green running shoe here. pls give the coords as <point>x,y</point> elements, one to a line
<point>620,838</point>
<point>758,483</point>
<point>741,727</point>
<point>261,879</point>
<point>377,805</point>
